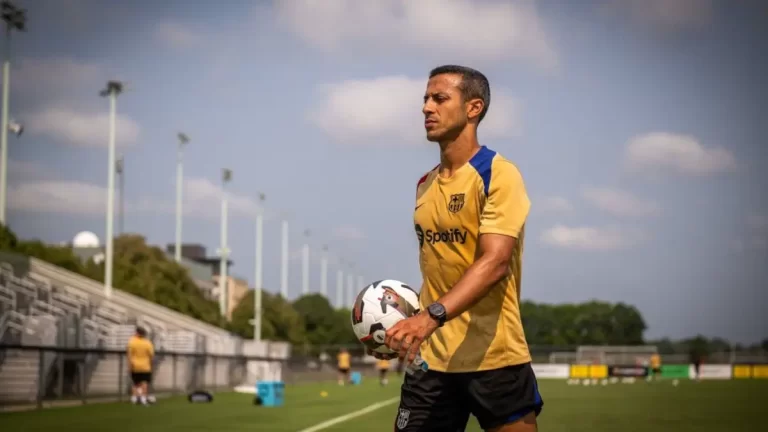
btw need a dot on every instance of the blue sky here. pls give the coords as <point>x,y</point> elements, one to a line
<point>636,124</point>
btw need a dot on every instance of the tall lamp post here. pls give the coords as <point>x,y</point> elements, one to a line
<point>113,89</point>
<point>226,177</point>
<point>257,280</point>
<point>120,170</point>
<point>15,19</point>
<point>305,264</point>
<point>324,272</point>
<point>340,284</point>
<point>284,259</point>
<point>183,140</point>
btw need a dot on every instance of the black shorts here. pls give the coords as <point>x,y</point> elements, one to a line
<point>344,370</point>
<point>437,401</point>
<point>141,377</point>
<point>656,371</point>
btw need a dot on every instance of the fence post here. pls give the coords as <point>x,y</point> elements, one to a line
<point>81,378</point>
<point>120,375</point>
<point>40,378</point>
<point>175,372</point>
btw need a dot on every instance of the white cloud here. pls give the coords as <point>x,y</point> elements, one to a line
<point>56,77</point>
<point>665,14</point>
<point>69,197</point>
<point>620,203</point>
<point>589,238</point>
<point>388,109</point>
<point>459,29</point>
<point>554,204</point>
<point>202,198</point>
<point>349,232</point>
<point>177,35</point>
<point>681,154</point>
<point>81,128</point>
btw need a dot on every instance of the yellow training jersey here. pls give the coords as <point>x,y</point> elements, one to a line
<point>655,361</point>
<point>382,364</point>
<point>140,354</point>
<point>485,196</point>
<point>343,360</point>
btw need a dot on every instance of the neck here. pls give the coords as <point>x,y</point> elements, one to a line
<point>457,152</point>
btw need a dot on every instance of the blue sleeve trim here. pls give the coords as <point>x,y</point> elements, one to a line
<point>482,162</point>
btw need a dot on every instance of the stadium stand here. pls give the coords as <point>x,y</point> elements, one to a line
<point>42,305</point>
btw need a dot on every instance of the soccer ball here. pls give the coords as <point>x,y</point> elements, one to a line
<point>378,307</point>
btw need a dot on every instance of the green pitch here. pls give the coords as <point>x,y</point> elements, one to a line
<point>702,407</point>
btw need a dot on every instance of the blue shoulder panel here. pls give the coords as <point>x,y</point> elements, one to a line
<point>481,162</point>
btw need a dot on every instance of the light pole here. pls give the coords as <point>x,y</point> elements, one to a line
<point>183,140</point>
<point>350,284</point>
<point>15,19</point>
<point>340,284</point>
<point>257,279</point>
<point>305,264</point>
<point>324,272</point>
<point>113,89</point>
<point>360,283</point>
<point>284,259</point>
<point>120,170</point>
<point>224,251</point>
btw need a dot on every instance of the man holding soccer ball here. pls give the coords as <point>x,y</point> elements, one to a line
<point>469,218</point>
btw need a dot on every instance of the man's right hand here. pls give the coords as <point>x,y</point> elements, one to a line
<point>380,356</point>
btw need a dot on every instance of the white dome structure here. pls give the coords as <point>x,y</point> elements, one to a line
<point>85,239</point>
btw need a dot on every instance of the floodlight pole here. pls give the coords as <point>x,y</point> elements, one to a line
<point>15,19</point>
<point>224,251</point>
<point>120,170</point>
<point>284,259</point>
<point>183,140</point>
<point>257,279</point>
<point>340,284</point>
<point>305,265</point>
<point>350,285</point>
<point>360,284</point>
<point>113,89</point>
<point>324,272</point>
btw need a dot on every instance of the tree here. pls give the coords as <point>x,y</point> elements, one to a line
<point>280,321</point>
<point>321,322</point>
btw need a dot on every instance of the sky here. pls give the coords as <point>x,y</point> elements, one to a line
<point>638,126</point>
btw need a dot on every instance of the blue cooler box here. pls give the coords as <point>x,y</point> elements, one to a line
<point>271,393</point>
<point>356,378</point>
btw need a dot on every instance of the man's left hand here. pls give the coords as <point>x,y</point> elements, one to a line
<point>407,335</point>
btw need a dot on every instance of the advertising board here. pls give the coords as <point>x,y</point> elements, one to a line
<point>554,371</point>
<point>716,371</point>
<point>628,371</point>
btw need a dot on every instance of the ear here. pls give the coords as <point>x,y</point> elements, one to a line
<point>474,108</point>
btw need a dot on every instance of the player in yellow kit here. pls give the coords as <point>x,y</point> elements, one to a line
<point>383,366</point>
<point>469,217</point>
<point>141,352</point>
<point>655,366</point>
<point>343,363</point>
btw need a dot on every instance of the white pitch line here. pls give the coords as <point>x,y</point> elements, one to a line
<point>336,420</point>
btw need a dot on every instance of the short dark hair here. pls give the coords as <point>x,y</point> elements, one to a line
<point>141,331</point>
<point>474,85</point>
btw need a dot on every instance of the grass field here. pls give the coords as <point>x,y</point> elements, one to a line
<point>702,407</point>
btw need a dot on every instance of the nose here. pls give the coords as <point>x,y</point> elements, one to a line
<point>428,107</point>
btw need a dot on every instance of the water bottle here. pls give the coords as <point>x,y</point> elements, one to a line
<point>417,364</point>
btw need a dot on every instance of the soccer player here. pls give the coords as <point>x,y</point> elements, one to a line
<point>469,218</point>
<point>141,352</point>
<point>383,366</point>
<point>344,365</point>
<point>655,366</point>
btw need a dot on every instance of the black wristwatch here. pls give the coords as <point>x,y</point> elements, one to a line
<point>437,312</point>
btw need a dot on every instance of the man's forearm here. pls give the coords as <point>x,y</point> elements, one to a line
<point>475,284</point>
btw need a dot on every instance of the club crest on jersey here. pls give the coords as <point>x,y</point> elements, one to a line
<point>456,203</point>
<point>402,418</point>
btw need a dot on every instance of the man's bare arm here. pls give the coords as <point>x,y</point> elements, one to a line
<point>491,266</point>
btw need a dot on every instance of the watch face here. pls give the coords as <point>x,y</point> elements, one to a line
<point>437,309</point>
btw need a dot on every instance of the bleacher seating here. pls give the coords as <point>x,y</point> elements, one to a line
<point>43,305</point>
